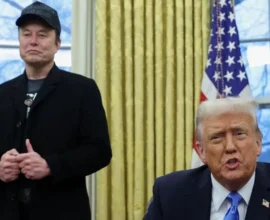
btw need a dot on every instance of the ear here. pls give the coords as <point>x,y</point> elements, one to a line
<point>201,152</point>
<point>259,143</point>
<point>58,44</point>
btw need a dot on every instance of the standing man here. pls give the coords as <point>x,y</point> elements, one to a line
<point>53,129</point>
<point>231,185</point>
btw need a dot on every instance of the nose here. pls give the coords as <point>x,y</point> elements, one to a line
<point>33,40</point>
<point>230,145</point>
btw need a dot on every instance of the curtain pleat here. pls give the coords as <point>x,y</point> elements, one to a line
<point>150,57</point>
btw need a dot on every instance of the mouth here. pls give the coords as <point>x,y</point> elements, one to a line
<point>33,51</point>
<point>232,164</point>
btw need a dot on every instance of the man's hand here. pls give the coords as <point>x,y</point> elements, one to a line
<point>9,167</point>
<point>32,165</point>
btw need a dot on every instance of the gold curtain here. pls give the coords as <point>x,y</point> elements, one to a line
<point>150,57</point>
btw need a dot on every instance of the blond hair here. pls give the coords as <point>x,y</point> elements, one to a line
<point>217,107</point>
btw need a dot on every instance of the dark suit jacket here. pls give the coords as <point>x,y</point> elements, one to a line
<point>67,127</point>
<point>186,195</point>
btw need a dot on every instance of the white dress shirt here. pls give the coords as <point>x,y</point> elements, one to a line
<point>220,205</point>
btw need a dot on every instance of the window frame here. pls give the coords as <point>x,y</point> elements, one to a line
<point>263,102</point>
<point>13,44</point>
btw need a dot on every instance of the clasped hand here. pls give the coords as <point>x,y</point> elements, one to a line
<point>31,164</point>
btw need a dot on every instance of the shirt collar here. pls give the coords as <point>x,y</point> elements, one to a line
<point>246,190</point>
<point>220,193</point>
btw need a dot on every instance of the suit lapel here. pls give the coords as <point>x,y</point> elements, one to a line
<point>49,85</point>
<point>260,193</point>
<point>18,96</point>
<point>198,200</point>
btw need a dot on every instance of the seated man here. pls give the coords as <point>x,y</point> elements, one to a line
<point>231,185</point>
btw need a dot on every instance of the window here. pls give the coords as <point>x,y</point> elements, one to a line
<point>253,22</point>
<point>11,64</point>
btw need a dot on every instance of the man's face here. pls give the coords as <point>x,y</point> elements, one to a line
<point>37,43</point>
<point>230,145</point>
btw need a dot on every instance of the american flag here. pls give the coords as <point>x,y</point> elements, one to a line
<point>225,73</point>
